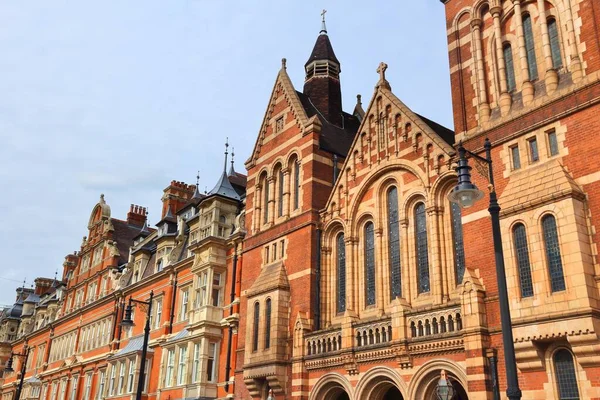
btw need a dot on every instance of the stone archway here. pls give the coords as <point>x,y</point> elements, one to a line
<point>331,387</point>
<point>430,382</point>
<point>381,383</point>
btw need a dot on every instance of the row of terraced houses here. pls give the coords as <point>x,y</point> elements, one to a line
<point>336,267</point>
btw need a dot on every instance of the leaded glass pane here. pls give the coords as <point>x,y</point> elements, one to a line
<point>522,252</point>
<point>296,184</point>
<point>266,202</point>
<point>554,43</point>
<point>268,324</point>
<point>394,244</point>
<point>256,322</point>
<point>533,150</point>
<point>457,240</point>
<point>422,251</point>
<point>341,273</point>
<point>516,158</point>
<point>369,264</point>
<point>566,379</point>
<point>557,279</point>
<point>530,47</point>
<point>280,197</point>
<point>553,143</point>
<point>510,69</point>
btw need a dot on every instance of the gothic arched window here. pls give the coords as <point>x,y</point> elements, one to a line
<point>369,264</point>
<point>554,43</point>
<point>394,243</point>
<point>566,379</point>
<point>256,322</point>
<point>296,184</point>
<point>522,253</point>
<point>265,200</point>
<point>280,194</point>
<point>510,68</point>
<point>530,47</point>
<point>341,273</point>
<point>555,269</point>
<point>421,248</point>
<point>267,324</point>
<point>458,243</point>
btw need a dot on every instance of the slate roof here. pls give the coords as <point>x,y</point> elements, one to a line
<point>135,344</point>
<point>124,235</point>
<point>323,50</point>
<point>442,131</point>
<point>334,139</point>
<point>238,181</point>
<point>225,188</point>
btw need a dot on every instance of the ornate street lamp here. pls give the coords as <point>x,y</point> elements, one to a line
<point>465,194</point>
<point>9,368</point>
<point>128,322</point>
<point>444,389</point>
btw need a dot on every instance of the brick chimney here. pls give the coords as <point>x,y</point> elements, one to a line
<point>136,215</point>
<point>43,285</point>
<point>175,196</point>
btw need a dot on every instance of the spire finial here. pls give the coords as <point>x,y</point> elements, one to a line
<point>284,63</point>
<point>231,169</point>
<point>358,100</point>
<point>323,27</point>
<point>197,178</point>
<point>226,153</point>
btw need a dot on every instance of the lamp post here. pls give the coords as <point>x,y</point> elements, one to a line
<point>465,194</point>
<point>9,368</point>
<point>444,389</point>
<point>127,321</point>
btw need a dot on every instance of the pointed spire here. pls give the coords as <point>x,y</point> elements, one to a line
<point>197,194</point>
<point>226,153</point>
<point>323,27</point>
<point>231,169</point>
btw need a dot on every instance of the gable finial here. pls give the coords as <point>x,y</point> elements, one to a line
<point>323,27</point>
<point>284,63</point>
<point>197,178</point>
<point>231,169</point>
<point>381,71</point>
<point>226,153</point>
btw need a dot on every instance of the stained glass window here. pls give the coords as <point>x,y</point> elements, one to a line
<point>268,324</point>
<point>369,264</point>
<point>280,197</point>
<point>522,253</point>
<point>341,273</point>
<point>566,379</point>
<point>458,243</point>
<point>422,251</point>
<point>554,43</point>
<point>256,322</point>
<point>394,243</point>
<point>296,184</point>
<point>552,143</point>
<point>557,279</point>
<point>530,47</point>
<point>510,69</point>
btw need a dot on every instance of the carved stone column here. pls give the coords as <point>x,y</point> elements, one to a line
<point>407,268</point>
<point>286,192</point>
<point>258,199</point>
<point>380,275</point>
<point>505,100</point>
<point>484,106</point>
<point>551,76</point>
<point>527,86</point>
<point>435,261</point>
<point>351,301</point>
<point>575,65</point>
<point>271,204</point>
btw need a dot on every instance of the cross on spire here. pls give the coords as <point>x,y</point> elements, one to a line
<point>323,27</point>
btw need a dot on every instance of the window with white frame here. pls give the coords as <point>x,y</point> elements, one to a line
<point>54,390</point>
<point>121,385</point>
<point>217,289</point>
<point>130,375</point>
<point>158,304</point>
<point>211,363</point>
<point>170,369</point>
<point>183,314</point>
<point>202,288</point>
<point>97,255</point>
<point>100,389</point>
<point>196,363</point>
<point>85,263</point>
<point>87,391</point>
<point>63,389</point>
<point>74,382</point>
<point>182,366</point>
<point>111,381</point>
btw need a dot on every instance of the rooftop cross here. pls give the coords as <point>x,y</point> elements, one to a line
<point>381,70</point>
<point>323,27</point>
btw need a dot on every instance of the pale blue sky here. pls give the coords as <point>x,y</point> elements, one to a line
<point>120,97</point>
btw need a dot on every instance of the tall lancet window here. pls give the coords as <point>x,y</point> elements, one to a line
<point>394,243</point>
<point>296,184</point>
<point>268,324</point>
<point>369,245</point>
<point>522,252</point>
<point>280,194</point>
<point>554,43</point>
<point>341,273</point>
<point>566,378</point>
<point>256,322</point>
<point>555,268</point>
<point>510,67</point>
<point>421,248</point>
<point>530,47</point>
<point>458,243</point>
<point>266,201</point>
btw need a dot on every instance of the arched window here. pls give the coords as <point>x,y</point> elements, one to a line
<point>267,324</point>
<point>566,379</point>
<point>554,43</point>
<point>555,269</point>
<point>394,243</point>
<point>341,273</point>
<point>256,322</point>
<point>280,194</point>
<point>458,243</point>
<point>296,184</point>
<point>265,199</point>
<point>369,264</point>
<point>530,47</point>
<point>510,68</point>
<point>421,248</point>
<point>522,253</point>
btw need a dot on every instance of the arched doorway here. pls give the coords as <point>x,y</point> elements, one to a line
<point>430,383</point>
<point>392,394</point>
<point>331,387</point>
<point>381,383</point>
<point>342,396</point>
<point>383,390</point>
